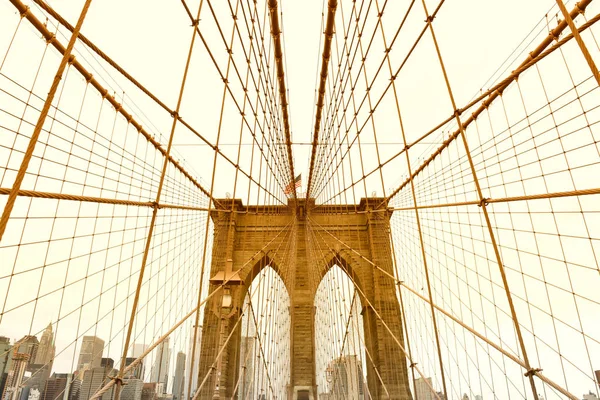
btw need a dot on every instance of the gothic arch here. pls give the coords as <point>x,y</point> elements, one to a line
<point>257,332</point>
<point>343,331</point>
<point>264,262</point>
<point>354,272</point>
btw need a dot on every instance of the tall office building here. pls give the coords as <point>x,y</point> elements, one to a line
<point>28,344</point>
<point>160,369</point>
<point>5,357</point>
<point>179,379</point>
<point>137,372</point>
<point>423,389</point>
<point>137,349</point>
<point>193,369</point>
<point>246,368</point>
<point>90,355</point>
<point>75,388</point>
<point>347,379</point>
<point>57,387</point>
<point>150,391</point>
<point>132,390</point>
<point>34,384</point>
<point>93,380</point>
<point>106,362</point>
<point>12,386</point>
<point>40,363</point>
<point>45,350</point>
<point>33,394</point>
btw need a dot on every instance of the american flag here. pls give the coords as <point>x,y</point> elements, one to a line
<point>297,183</point>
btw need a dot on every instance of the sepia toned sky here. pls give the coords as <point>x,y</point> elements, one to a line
<point>480,41</point>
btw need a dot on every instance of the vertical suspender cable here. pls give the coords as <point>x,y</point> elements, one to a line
<point>276,35</point>
<point>329,25</point>
<point>67,58</point>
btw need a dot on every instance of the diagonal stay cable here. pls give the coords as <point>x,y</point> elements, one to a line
<point>12,197</point>
<point>377,314</point>
<point>104,92</point>
<point>513,76</point>
<point>49,36</point>
<point>276,34</point>
<point>234,275</point>
<point>329,27</point>
<point>499,348</point>
<point>532,58</point>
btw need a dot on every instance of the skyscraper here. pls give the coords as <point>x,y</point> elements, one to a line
<point>90,355</point>
<point>347,379</point>
<point>93,380</point>
<point>5,358</point>
<point>136,372</point>
<point>179,379</point>
<point>40,363</point>
<point>36,381</point>
<point>57,387</point>
<point>137,349</point>
<point>74,388</point>
<point>423,388</point>
<point>160,369</point>
<point>246,368</point>
<point>132,390</point>
<point>33,394</point>
<point>12,386</point>
<point>107,362</point>
<point>149,391</point>
<point>28,344</point>
<point>192,370</point>
<point>45,350</point>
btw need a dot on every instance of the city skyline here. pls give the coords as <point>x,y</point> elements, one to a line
<point>33,350</point>
<point>30,381</point>
<point>446,240</point>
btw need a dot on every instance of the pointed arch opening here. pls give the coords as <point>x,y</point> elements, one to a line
<point>264,358</point>
<point>340,356</point>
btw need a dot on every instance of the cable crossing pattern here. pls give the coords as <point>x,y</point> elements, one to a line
<point>430,229</point>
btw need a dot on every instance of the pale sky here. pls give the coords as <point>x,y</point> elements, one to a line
<point>480,41</point>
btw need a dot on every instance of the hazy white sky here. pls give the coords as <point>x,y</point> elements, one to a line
<point>150,40</point>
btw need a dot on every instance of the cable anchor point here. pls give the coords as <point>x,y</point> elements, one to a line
<point>483,202</point>
<point>533,371</point>
<point>118,380</point>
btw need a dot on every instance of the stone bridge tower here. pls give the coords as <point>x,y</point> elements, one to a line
<point>247,240</point>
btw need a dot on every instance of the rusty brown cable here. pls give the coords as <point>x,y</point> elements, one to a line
<point>329,26</point>
<point>67,58</point>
